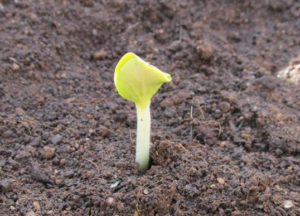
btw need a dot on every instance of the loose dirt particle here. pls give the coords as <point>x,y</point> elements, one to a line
<point>36,141</point>
<point>39,175</point>
<point>176,99</point>
<point>205,50</point>
<point>7,134</point>
<point>104,132</point>
<point>30,213</point>
<point>161,35</point>
<point>6,185</point>
<point>23,155</point>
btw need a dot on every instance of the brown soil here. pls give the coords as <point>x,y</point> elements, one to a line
<point>225,132</point>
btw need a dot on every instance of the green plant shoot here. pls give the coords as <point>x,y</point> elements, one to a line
<point>138,81</point>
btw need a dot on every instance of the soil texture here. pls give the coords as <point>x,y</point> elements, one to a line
<point>225,132</point>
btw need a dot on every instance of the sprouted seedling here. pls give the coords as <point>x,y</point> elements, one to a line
<point>138,81</point>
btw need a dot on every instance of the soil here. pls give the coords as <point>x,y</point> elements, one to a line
<point>225,132</point>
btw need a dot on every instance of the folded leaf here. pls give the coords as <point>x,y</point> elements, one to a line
<point>138,81</point>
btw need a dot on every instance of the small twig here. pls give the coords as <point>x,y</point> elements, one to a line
<point>191,116</point>
<point>201,111</point>
<point>180,33</point>
<point>130,137</point>
<point>97,167</point>
<point>213,122</point>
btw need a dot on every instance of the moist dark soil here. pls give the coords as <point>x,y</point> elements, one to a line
<point>225,132</point>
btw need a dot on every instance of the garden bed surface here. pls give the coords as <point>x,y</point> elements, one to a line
<point>225,132</point>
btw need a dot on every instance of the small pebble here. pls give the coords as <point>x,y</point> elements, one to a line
<point>56,139</point>
<point>95,32</point>
<point>59,182</point>
<point>146,192</point>
<point>115,184</point>
<point>221,181</point>
<point>62,162</point>
<point>15,67</point>
<point>212,186</point>
<point>69,174</point>
<point>37,205</point>
<point>48,152</point>
<point>100,55</point>
<point>110,201</point>
<point>287,204</point>
<point>223,144</point>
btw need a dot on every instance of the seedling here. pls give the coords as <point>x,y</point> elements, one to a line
<point>138,81</point>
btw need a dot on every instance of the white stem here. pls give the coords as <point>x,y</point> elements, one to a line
<point>142,154</point>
